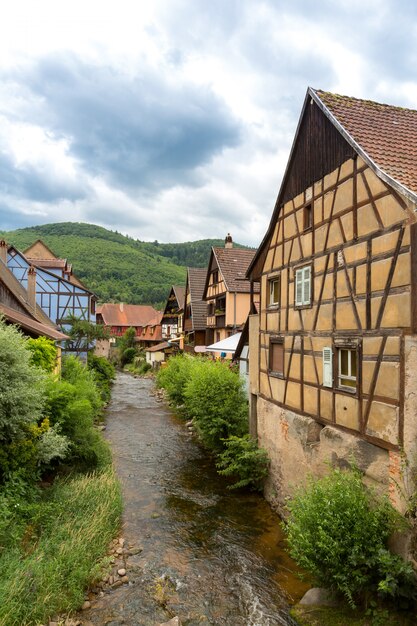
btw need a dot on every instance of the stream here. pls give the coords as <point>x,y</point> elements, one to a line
<point>207,554</point>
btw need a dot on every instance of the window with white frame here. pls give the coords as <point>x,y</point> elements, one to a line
<point>303,286</point>
<point>347,368</point>
<point>274,291</point>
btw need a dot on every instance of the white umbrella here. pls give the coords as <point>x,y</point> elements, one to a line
<point>225,345</point>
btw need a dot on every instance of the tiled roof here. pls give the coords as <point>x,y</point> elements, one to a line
<point>388,134</point>
<point>160,347</point>
<point>233,263</point>
<point>180,295</point>
<point>126,314</point>
<point>29,324</point>
<point>152,330</point>
<point>196,282</point>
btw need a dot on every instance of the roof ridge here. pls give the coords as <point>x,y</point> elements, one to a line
<point>320,92</point>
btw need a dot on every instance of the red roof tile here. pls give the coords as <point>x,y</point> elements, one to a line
<point>388,134</point>
<point>126,314</point>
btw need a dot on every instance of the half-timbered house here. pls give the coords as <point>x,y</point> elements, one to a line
<point>227,291</point>
<point>58,295</point>
<point>173,313</point>
<point>195,309</point>
<point>333,350</point>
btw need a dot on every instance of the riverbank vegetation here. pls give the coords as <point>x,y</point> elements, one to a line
<point>59,499</point>
<point>211,394</point>
<point>338,532</point>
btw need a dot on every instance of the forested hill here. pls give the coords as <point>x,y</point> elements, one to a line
<point>114,266</point>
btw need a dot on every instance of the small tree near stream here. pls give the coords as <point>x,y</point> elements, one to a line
<point>212,395</point>
<point>338,532</point>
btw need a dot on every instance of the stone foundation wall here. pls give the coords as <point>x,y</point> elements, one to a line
<point>298,446</point>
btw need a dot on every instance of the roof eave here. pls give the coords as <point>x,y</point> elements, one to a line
<point>400,188</point>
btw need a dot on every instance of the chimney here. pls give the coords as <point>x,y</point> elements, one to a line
<point>3,251</point>
<point>228,242</point>
<point>121,307</point>
<point>31,288</point>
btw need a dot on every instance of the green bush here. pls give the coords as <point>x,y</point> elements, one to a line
<point>69,407</point>
<point>104,373</point>
<point>338,531</point>
<point>243,459</point>
<point>216,401</point>
<point>175,376</point>
<point>21,387</point>
<point>127,356</point>
<point>43,353</point>
<point>83,379</point>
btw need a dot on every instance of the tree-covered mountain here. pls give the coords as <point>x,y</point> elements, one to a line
<point>116,267</point>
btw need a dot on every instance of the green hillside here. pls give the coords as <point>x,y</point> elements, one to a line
<point>114,266</point>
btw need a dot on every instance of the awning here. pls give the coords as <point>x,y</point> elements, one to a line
<point>225,345</point>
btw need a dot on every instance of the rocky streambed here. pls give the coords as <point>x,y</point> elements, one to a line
<point>191,552</point>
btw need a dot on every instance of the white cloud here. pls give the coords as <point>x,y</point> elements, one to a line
<point>97,100</point>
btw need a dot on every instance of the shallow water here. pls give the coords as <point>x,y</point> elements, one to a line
<point>210,556</point>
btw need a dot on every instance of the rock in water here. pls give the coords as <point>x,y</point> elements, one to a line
<point>318,596</point>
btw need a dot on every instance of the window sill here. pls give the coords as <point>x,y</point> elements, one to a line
<point>276,374</point>
<point>352,391</point>
<point>273,307</point>
<point>299,307</point>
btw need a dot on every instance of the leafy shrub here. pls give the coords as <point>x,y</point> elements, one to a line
<point>242,458</point>
<point>127,356</point>
<point>215,399</point>
<point>52,445</point>
<point>21,387</point>
<point>338,531</point>
<point>175,376</point>
<point>43,353</point>
<point>70,408</point>
<point>104,373</point>
<point>83,379</point>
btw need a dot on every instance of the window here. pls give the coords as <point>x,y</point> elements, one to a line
<point>308,216</point>
<point>210,309</point>
<point>276,357</point>
<point>347,364</point>
<point>214,277</point>
<point>274,291</point>
<point>303,286</point>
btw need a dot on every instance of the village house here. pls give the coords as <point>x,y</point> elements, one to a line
<point>19,308</point>
<point>227,291</point>
<point>152,332</point>
<point>50,280</point>
<point>195,309</point>
<point>173,314</point>
<point>117,318</point>
<point>333,351</point>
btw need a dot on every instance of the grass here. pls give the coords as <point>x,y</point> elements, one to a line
<point>340,616</point>
<point>61,550</point>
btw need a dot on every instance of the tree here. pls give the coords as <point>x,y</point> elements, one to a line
<point>83,334</point>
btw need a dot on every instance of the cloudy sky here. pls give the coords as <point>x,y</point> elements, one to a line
<point>173,119</point>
